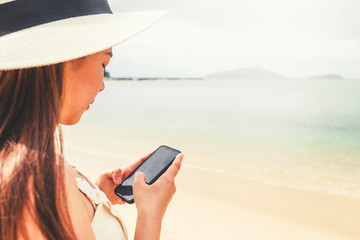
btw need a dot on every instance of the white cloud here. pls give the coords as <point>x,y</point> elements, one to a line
<point>296,38</point>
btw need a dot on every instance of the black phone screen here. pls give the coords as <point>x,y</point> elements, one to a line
<point>155,165</point>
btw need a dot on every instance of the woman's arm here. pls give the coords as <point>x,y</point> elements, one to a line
<point>152,200</point>
<point>148,225</point>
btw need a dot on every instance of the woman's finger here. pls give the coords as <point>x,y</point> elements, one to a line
<point>117,176</point>
<point>174,168</point>
<point>139,178</point>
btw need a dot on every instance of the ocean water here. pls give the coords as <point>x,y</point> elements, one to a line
<point>297,133</point>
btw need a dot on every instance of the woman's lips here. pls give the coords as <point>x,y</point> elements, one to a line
<point>90,104</point>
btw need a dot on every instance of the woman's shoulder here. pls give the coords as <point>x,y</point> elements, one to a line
<point>80,209</point>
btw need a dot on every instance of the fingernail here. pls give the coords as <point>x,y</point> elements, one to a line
<point>118,179</point>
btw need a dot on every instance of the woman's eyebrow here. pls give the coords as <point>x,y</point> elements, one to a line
<point>109,53</point>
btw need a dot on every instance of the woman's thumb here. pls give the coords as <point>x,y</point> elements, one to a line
<point>139,178</point>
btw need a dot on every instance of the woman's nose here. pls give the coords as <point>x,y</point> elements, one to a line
<point>102,87</point>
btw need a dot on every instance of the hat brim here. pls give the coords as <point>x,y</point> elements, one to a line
<point>71,38</point>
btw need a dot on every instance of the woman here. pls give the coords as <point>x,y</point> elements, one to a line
<point>52,57</point>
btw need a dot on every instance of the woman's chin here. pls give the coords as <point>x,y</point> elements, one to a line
<point>73,117</point>
<point>70,121</point>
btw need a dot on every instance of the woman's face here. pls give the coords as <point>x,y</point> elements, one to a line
<point>83,80</point>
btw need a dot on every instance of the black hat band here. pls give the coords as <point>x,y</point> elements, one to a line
<point>21,14</point>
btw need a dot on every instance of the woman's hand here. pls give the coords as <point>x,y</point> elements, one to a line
<point>152,200</point>
<point>157,196</point>
<point>108,181</point>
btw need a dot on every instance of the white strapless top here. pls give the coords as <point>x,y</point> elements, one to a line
<point>107,223</point>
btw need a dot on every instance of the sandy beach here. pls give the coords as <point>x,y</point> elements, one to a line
<point>215,206</point>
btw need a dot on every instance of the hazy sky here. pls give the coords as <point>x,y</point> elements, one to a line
<point>296,38</point>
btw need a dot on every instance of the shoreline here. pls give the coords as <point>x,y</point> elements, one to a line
<point>215,206</point>
<point>115,160</point>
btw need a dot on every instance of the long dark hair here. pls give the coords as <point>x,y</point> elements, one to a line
<point>31,161</point>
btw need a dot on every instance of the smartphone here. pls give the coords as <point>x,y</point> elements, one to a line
<point>153,167</point>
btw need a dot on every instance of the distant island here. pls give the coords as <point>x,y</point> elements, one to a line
<point>239,73</point>
<point>151,78</point>
<point>246,73</point>
<point>107,76</point>
<point>327,76</point>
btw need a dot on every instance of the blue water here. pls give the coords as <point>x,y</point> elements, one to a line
<point>297,133</point>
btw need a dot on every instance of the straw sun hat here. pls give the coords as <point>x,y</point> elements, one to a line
<point>41,32</point>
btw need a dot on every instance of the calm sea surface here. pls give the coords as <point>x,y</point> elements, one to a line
<point>301,134</point>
